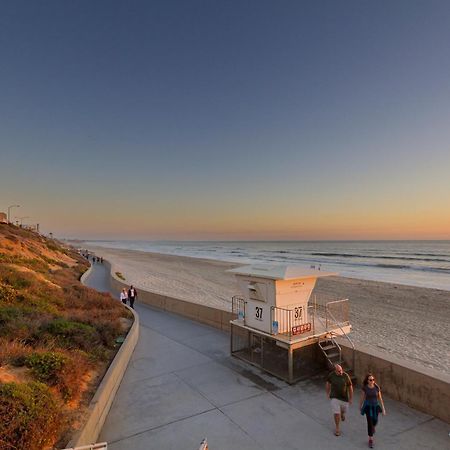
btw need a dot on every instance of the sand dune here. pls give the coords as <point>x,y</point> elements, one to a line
<point>409,322</point>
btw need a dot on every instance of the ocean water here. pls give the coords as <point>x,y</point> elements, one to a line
<point>416,263</point>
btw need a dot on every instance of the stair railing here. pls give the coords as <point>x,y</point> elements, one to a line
<point>328,312</point>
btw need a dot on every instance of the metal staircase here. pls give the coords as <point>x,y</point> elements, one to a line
<point>331,350</point>
<point>333,355</point>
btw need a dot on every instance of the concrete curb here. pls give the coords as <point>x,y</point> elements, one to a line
<point>103,398</point>
<point>86,274</point>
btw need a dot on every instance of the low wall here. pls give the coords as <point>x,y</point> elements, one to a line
<point>85,274</point>
<point>103,398</point>
<point>204,314</point>
<point>423,389</point>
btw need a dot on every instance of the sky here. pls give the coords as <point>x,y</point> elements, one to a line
<point>237,119</point>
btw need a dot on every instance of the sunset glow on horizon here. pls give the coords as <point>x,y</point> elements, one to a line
<point>228,121</point>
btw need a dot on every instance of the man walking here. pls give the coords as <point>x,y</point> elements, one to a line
<point>132,294</point>
<point>340,391</point>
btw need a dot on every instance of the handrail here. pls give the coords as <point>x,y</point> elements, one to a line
<point>339,348</point>
<point>238,306</point>
<point>344,333</point>
<point>337,301</point>
<point>286,319</point>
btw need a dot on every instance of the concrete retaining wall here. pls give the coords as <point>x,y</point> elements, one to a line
<point>423,389</point>
<point>85,274</point>
<point>103,398</point>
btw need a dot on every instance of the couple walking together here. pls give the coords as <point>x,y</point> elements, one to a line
<point>128,296</point>
<point>340,392</point>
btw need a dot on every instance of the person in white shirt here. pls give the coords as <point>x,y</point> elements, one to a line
<point>124,296</point>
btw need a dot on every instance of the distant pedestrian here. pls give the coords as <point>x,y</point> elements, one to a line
<point>124,296</point>
<point>132,294</point>
<point>101,259</point>
<point>371,404</point>
<point>340,391</point>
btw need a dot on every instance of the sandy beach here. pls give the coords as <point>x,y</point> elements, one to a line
<point>409,322</point>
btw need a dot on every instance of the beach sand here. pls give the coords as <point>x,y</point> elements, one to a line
<point>408,322</point>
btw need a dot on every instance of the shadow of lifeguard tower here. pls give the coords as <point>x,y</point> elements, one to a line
<point>280,327</point>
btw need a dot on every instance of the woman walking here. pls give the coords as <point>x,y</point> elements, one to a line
<point>124,296</point>
<point>371,404</point>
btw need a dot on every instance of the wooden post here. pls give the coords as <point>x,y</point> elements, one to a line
<point>290,365</point>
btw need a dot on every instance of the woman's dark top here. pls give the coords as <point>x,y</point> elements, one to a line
<point>371,394</point>
<point>371,407</point>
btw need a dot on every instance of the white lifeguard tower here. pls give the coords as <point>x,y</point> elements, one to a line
<point>279,326</point>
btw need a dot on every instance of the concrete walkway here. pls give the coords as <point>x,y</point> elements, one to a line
<point>181,386</point>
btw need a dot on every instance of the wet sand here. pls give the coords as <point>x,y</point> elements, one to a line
<point>409,322</point>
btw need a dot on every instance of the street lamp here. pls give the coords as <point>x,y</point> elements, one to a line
<point>9,209</point>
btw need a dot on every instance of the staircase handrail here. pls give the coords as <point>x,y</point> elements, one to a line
<point>344,333</point>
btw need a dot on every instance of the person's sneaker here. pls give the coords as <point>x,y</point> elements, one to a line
<point>370,443</point>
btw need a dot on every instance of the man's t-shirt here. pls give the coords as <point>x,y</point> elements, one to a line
<point>339,386</point>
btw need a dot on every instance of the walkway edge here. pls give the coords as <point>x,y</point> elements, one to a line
<point>103,398</point>
<point>85,274</point>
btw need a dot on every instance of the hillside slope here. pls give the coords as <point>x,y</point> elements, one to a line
<point>57,338</point>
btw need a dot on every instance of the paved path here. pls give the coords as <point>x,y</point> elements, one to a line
<point>181,385</point>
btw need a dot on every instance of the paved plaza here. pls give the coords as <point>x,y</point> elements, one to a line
<point>182,385</point>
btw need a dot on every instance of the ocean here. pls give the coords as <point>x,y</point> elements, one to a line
<point>415,263</point>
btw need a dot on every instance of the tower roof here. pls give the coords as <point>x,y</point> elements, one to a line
<point>280,272</point>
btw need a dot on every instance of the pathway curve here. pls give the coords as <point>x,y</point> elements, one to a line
<point>182,385</point>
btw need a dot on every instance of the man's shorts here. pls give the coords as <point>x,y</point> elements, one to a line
<point>338,405</point>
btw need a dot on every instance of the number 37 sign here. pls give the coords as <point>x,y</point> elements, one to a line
<point>258,313</point>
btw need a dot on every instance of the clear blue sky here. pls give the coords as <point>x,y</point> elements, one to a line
<point>231,119</point>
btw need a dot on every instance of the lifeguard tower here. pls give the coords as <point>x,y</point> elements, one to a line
<point>280,326</point>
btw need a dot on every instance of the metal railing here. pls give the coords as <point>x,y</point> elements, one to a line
<point>338,312</point>
<point>339,325</point>
<point>238,307</point>
<point>292,322</point>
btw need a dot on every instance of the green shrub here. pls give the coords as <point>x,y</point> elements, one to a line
<point>9,314</point>
<point>46,366</point>
<point>30,416</point>
<point>72,334</point>
<point>108,331</point>
<point>58,369</point>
